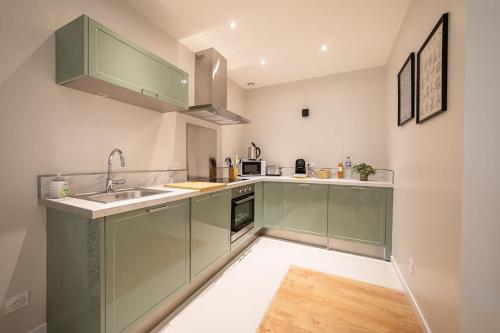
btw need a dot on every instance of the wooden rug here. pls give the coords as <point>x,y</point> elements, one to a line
<point>310,301</point>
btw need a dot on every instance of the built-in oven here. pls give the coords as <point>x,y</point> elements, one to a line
<point>242,210</point>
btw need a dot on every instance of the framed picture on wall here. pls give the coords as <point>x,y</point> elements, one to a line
<point>406,91</point>
<point>432,73</point>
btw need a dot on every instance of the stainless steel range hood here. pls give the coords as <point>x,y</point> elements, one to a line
<point>210,93</point>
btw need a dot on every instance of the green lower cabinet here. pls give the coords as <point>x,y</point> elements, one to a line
<point>75,273</point>
<point>210,229</point>
<point>108,275</point>
<point>358,214</point>
<point>147,259</point>
<point>273,205</point>
<point>305,208</point>
<point>388,224</point>
<point>259,208</point>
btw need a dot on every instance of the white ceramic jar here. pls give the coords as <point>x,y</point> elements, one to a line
<point>59,188</point>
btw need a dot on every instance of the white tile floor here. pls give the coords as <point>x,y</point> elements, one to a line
<point>238,300</point>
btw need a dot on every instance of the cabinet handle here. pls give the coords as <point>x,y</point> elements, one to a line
<point>239,202</point>
<point>149,92</point>
<point>210,196</point>
<point>357,188</point>
<point>304,185</point>
<point>153,210</point>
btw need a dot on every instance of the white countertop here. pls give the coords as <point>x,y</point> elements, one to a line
<point>94,210</point>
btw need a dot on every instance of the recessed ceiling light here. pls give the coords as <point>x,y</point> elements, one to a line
<point>250,84</point>
<point>232,25</point>
<point>324,47</point>
<point>263,61</point>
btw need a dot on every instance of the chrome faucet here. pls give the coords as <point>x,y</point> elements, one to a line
<point>109,180</point>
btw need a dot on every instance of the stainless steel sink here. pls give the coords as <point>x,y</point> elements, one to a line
<point>119,195</point>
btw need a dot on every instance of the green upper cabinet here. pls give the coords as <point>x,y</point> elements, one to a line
<point>358,214</point>
<point>305,208</point>
<point>258,207</point>
<point>210,229</point>
<point>95,59</point>
<point>147,259</point>
<point>273,205</point>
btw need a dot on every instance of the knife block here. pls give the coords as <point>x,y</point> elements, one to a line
<point>233,173</point>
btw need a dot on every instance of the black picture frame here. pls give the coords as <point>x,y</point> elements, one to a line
<point>443,22</point>
<point>410,61</point>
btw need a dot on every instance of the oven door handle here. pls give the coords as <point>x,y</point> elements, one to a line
<point>239,202</point>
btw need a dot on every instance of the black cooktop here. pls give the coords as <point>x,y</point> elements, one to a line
<point>219,180</point>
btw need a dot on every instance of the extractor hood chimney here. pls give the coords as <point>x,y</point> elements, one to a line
<point>210,92</point>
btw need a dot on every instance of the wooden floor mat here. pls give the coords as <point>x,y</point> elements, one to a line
<point>310,301</point>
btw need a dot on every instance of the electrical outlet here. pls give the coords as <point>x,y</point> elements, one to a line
<point>410,265</point>
<point>16,302</point>
<point>172,165</point>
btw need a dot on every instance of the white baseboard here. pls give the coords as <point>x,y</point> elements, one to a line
<point>40,329</point>
<point>420,316</point>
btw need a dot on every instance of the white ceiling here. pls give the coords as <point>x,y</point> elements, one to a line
<point>287,33</point>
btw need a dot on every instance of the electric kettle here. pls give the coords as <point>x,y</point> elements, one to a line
<point>253,152</point>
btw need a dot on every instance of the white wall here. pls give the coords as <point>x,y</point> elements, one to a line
<point>480,265</point>
<point>46,128</point>
<point>346,118</point>
<point>428,163</point>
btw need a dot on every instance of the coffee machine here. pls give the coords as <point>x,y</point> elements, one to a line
<point>300,168</point>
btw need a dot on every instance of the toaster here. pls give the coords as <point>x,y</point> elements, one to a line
<point>273,170</point>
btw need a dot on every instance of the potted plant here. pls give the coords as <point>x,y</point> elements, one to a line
<point>364,170</point>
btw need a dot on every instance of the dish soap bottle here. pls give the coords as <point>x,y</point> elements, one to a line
<point>59,188</point>
<point>340,168</point>
<point>348,168</point>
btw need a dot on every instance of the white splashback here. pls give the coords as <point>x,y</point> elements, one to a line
<point>95,182</point>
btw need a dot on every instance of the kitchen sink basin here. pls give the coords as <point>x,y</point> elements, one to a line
<point>119,195</point>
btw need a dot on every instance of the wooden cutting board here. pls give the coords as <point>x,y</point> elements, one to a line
<point>198,186</point>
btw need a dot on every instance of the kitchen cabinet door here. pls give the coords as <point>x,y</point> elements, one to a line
<point>210,229</point>
<point>273,205</point>
<point>113,60</point>
<point>147,260</point>
<point>75,273</point>
<point>305,208</point>
<point>358,214</point>
<point>166,80</point>
<point>93,58</point>
<point>258,207</point>
<point>116,60</point>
